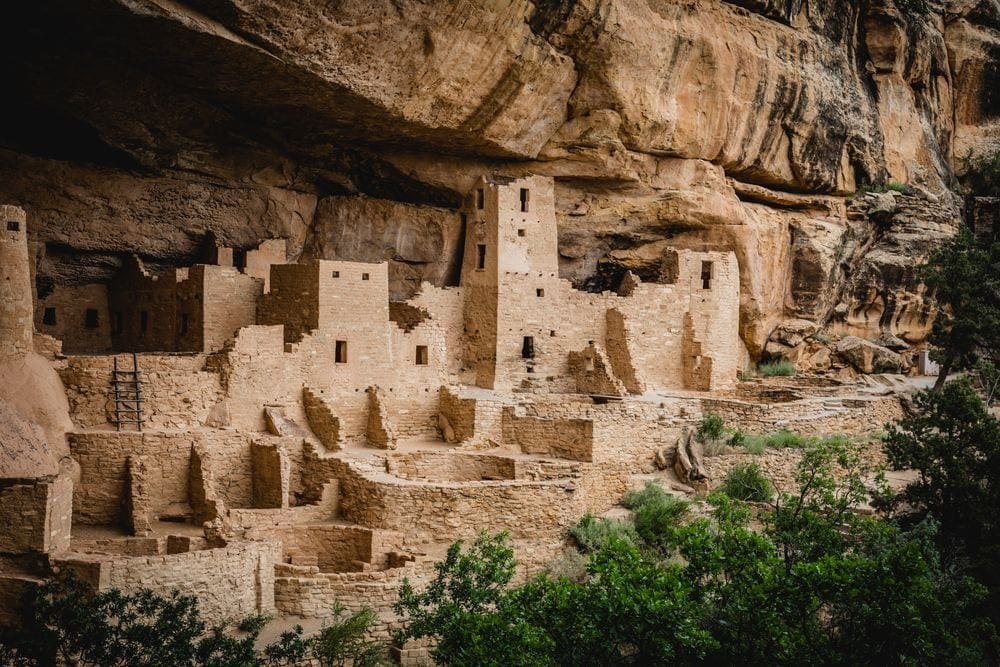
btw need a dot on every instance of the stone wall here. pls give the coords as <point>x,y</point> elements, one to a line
<point>16,306</point>
<point>177,390</point>
<point>62,314</point>
<point>36,514</point>
<point>563,438</point>
<point>860,416</point>
<point>230,582</point>
<point>449,466</point>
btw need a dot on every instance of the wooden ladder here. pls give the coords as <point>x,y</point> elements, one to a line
<point>127,386</point>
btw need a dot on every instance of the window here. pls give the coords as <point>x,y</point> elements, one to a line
<point>480,199</point>
<point>184,324</point>
<point>365,276</point>
<point>552,333</point>
<point>524,200</point>
<point>13,226</point>
<point>90,319</point>
<point>49,317</point>
<point>340,352</point>
<point>480,257</point>
<point>520,232</point>
<point>589,366</point>
<point>706,275</point>
<point>539,292</point>
<point>118,323</point>
<point>336,274</point>
<point>421,355</point>
<point>528,348</point>
<point>143,322</point>
<point>464,218</point>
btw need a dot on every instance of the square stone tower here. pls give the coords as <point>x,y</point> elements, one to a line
<point>16,308</point>
<point>510,230</point>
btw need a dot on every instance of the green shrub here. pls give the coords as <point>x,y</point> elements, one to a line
<point>737,438</point>
<point>898,187</point>
<point>656,513</point>
<point>711,427</point>
<point>781,368</point>
<point>591,533</point>
<point>981,175</point>
<point>785,439</point>
<point>746,481</point>
<point>754,444</point>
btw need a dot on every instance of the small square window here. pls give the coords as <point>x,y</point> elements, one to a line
<point>539,292</point>
<point>335,274</point>
<point>421,355</point>
<point>552,333</point>
<point>364,276</point>
<point>340,352</point>
<point>90,318</point>
<point>13,226</point>
<point>520,232</point>
<point>49,317</point>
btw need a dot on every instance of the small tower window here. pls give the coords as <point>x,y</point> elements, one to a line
<point>340,352</point>
<point>706,275</point>
<point>365,276</point>
<point>90,319</point>
<point>49,317</point>
<point>528,348</point>
<point>539,292</point>
<point>480,257</point>
<point>524,200</point>
<point>421,355</point>
<point>336,274</point>
<point>143,322</point>
<point>480,198</point>
<point>184,324</point>
<point>520,232</point>
<point>13,226</point>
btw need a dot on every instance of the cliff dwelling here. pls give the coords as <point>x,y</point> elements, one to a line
<point>295,295</point>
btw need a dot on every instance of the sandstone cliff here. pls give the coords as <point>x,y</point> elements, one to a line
<point>353,128</point>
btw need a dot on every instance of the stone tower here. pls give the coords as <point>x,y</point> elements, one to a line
<point>510,230</point>
<point>16,309</point>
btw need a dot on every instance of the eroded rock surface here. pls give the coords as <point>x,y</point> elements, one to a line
<point>353,128</point>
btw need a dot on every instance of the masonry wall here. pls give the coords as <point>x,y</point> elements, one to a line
<point>16,307</point>
<point>66,308</point>
<point>564,438</point>
<point>217,301</point>
<point>809,417</point>
<point>177,390</point>
<point>103,460</point>
<point>36,514</point>
<point>145,306</point>
<point>449,466</point>
<point>230,582</point>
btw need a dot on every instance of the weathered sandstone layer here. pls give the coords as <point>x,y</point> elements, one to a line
<point>352,128</point>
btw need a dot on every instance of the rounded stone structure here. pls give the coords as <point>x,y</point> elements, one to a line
<point>16,309</point>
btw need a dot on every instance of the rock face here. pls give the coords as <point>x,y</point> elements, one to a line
<point>353,128</point>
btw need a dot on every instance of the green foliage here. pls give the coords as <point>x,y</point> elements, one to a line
<point>344,640</point>
<point>711,427</point>
<point>72,624</point>
<point>746,481</point>
<point>961,275</point>
<point>819,584</point>
<point>591,533</point>
<point>655,512</point>
<point>737,438</point>
<point>954,444</point>
<point>981,174</point>
<point>895,186</point>
<point>780,368</point>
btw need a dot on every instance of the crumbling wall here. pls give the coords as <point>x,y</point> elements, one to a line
<point>323,423</point>
<point>271,470</point>
<point>459,413</point>
<point>616,343</point>
<point>593,374</point>
<point>380,432</point>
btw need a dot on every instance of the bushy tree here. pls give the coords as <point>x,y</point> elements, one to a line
<point>963,277</point>
<point>64,621</point>
<point>819,584</point>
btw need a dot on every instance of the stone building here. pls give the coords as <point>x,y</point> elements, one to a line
<point>16,308</point>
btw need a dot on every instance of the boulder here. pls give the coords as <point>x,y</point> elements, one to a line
<point>867,357</point>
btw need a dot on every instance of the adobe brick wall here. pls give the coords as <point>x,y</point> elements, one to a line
<point>36,514</point>
<point>69,304</point>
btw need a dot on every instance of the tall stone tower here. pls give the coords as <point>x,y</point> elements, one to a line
<point>16,309</point>
<point>510,232</point>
